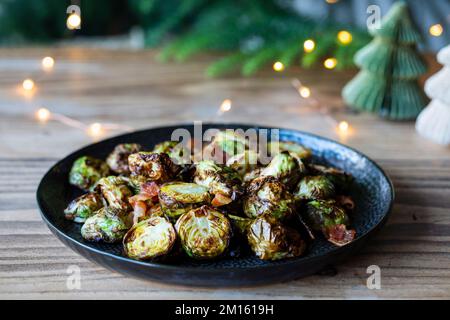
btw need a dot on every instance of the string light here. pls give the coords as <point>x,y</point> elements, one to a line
<point>43,114</point>
<point>95,129</point>
<point>344,37</point>
<point>331,1</point>
<point>436,30</point>
<point>48,63</point>
<point>278,66</point>
<point>304,92</point>
<point>343,126</point>
<point>73,21</point>
<point>330,63</point>
<point>28,84</point>
<point>225,106</point>
<point>309,45</point>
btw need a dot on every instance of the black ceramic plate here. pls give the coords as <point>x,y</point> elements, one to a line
<point>373,194</point>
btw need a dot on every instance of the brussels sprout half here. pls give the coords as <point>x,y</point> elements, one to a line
<point>116,192</point>
<point>271,240</point>
<point>268,196</point>
<point>83,207</point>
<point>244,162</point>
<point>222,181</point>
<point>149,239</point>
<point>240,224</point>
<point>155,166</point>
<point>293,148</point>
<point>204,232</point>
<point>118,158</point>
<point>177,198</point>
<point>340,179</point>
<point>284,167</point>
<point>326,216</point>
<point>177,153</point>
<point>225,144</point>
<point>107,225</point>
<point>314,187</point>
<point>86,171</point>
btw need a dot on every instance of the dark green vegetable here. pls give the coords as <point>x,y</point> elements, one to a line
<point>341,180</point>
<point>244,162</point>
<point>106,225</point>
<point>175,150</point>
<point>83,207</point>
<point>314,187</point>
<point>204,232</point>
<point>149,239</point>
<point>116,192</point>
<point>271,240</point>
<point>293,148</point>
<point>286,168</point>
<point>118,159</point>
<point>240,224</point>
<point>86,171</point>
<point>155,166</point>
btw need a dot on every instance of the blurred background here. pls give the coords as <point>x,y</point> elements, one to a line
<point>252,32</point>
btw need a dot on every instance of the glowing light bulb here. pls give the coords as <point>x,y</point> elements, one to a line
<point>28,84</point>
<point>304,92</point>
<point>48,63</point>
<point>331,1</point>
<point>343,126</point>
<point>73,21</point>
<point>225,106</point>
<point>344,37</point>
<point>278,66</point>
<point>436,30</point>
<point>43,114</point>
<point>95,129</point>
<point>309,45</point>
<point>330,63</point>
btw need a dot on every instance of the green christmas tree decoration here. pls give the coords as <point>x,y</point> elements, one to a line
<point>390,65</point>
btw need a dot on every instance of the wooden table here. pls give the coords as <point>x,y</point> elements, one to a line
<point>130,88</point>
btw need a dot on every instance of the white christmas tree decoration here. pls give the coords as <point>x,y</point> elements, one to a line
<point>434,121</point>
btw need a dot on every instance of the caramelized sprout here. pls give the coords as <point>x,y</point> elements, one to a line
<point>149,239</point>
<point>83,207</point>
<point>240,224</point>
<point>86,171</point>
<point>244,162</point>
<point>116,192</point>
<point>118,159</point>
<point>284,167</point>
<point>177,153</point>
<point>204,232</point>
<point>293,148</point>
<point>155,166</point>
<point>106,225</point>
<point>340,179</point>
<point>314,187</point>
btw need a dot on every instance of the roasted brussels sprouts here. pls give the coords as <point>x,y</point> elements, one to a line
<point>268,196</point>
<point>107,225</point>
<point>177,198</point>
<point>177,153</point>
<point>145,203</point>
<point>204,232</point>
<point>271,240</point>
<point>86,171</point>
<point>255,173</point>
<point>326,216</point>
<point>293,148</point>
<point>226,144</point>
<point>314,187</point>
<point>149,239</point>
<point>155,166</point>
<point>116,192</point>
<point>244,162</point>
<point>220,180</point>
<point>284,167</point>
<point>118,159</point>
<point>340,179</point>
<point>83,207</point>
<point>240,224</point>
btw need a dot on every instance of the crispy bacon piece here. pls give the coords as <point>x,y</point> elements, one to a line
<point>144,201</point>
<point>220,200</point>
<point>339,235</point>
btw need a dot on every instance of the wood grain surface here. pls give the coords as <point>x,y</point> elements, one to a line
<point>413,250</point>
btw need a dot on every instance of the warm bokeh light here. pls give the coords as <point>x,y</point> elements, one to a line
<point>309,45</point>
<point>304,92</point>
<point>343,126</point>
<point>43,114</point>
<point>225,106</point>
<point>344,37</point>
<point>73,21</point>
<point>331,1</point>
<point>436,30</point>
<point>95,129</point>
<point>330,63</point>
<point>28,84</point>
<point>48,63</point>
<point>278,66</point>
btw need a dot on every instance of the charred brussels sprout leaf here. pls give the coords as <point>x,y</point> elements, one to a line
<point>149,239</point>
<point>106,225</point>
<point>177,198</point>
<point>244,162</point>
<point>155,166</point>
<point>326,216</point>
<point>294,149</point>
<point>204,233</point>
<point>284,167</point>
<point>268,196</point>
<point>175,150</point>
<point>118,159</point>
<point>86,171</point>
<point>315,187</point>
<point>341,180</point>
<point>83,207</point>
<point>240,224</point>
<point>220,180</point>
<point>116,192</point>
<point>271,240</point>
